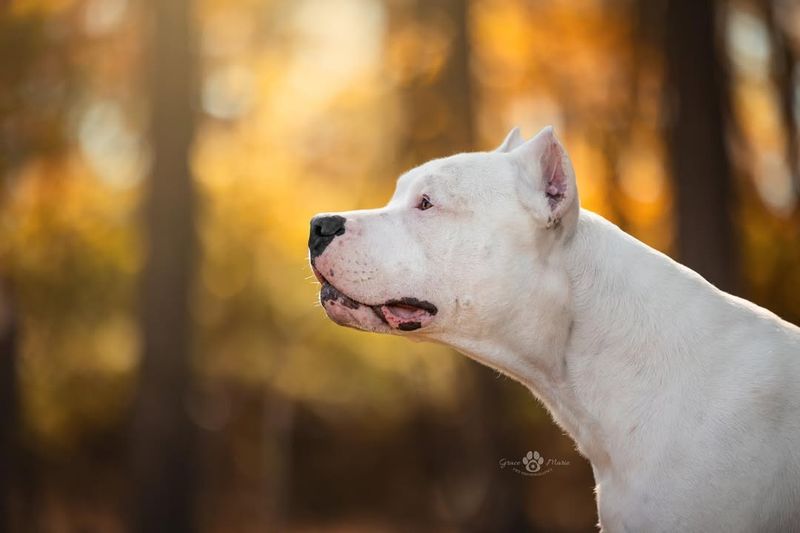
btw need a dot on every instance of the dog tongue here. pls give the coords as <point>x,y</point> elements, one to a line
<point>404,316</point>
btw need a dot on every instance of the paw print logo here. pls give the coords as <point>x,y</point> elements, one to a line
<point>533,462</point>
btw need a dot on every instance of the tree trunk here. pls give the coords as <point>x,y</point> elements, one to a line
<point>696,115</point>
<point>438,107</point>
<point>9,415</point>
<point>163,450</point>
<point>782,66</point>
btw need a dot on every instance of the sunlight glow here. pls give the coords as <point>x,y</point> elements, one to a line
<point>112,149</point>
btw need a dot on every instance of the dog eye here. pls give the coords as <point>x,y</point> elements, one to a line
<point>424,203</point>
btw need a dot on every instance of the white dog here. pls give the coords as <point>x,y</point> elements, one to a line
<point>685,399</point>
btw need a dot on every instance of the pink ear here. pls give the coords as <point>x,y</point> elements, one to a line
<point>548,181</point>
<point>552,165</point>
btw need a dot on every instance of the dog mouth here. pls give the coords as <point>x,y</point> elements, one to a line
<point>403,314</point>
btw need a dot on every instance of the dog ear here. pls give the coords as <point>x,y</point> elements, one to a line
<point>512,140</point>
<point>548,183</point>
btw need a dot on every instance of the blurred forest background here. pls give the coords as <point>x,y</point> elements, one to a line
<point>163,366</point>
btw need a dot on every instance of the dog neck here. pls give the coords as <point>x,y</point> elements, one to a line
<point>632,342</point>
<point>603,370</point>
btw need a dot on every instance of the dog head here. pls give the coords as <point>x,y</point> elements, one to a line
<point>464,243</point>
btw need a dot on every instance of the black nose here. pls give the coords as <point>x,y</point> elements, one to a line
<point>323,231</point>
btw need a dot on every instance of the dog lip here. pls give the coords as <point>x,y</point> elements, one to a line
<point>318,274</point>
<point>330,292</point>
<point>414,302</point>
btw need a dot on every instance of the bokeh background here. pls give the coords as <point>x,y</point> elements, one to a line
<point>163,364</point>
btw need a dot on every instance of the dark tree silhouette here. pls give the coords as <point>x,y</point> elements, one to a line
<point>32,124</point>
<point>782,66</point>
<point>162,432</point>
<point>8,405</point>
<point>696,114</point>
<point>438,110</point>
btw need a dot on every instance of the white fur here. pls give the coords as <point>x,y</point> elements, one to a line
<point>685,399</point>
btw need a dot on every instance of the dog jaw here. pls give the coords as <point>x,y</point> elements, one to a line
<point>403,314</point>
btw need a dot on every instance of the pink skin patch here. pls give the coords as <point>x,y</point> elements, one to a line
<point>552,167</point>
<point>405,317</point>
